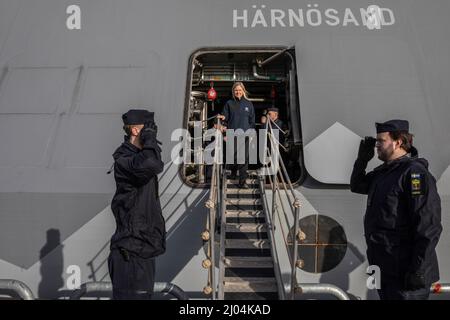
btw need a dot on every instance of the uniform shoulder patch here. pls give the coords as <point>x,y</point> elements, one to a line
<point>416,184</point>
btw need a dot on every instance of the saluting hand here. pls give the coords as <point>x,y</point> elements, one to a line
<point>148,133</point>
<point>367,149</point>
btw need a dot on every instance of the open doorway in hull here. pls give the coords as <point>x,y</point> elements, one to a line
<point>270,77</point>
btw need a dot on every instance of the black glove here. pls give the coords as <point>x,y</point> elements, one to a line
<point>414,152</point>
<point>414,280</point>
<point>148,134</point>
<point>367,149</point>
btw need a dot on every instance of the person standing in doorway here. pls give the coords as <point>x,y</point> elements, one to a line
<point>240,116</point>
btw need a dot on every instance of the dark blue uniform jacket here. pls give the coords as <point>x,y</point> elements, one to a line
<point>403,217</point>
<point>240,114</point>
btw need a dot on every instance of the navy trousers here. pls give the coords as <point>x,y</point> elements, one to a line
<point>393,289</point>
<point>132,277</point>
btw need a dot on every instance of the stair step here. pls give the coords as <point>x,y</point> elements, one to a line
<point>239,252</point>
<point>244,213</point>
<point>251,296</point>
<point>243,207</point>
<point>245,219</point>
<point>248,262</point>
<point>243,191</point>
<point>245,227</point>
<point>228,171</point>
<point>235,185</point>
<point>241,273</point>
<point>246,235</point>
<point>234,284</point>
<point>246,244</point>
<point>244,202</point>
<point>243,196</point>
<point>248,181</point>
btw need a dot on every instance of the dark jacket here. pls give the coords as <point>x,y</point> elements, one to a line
<point>240,114</point>
<point>403,217</point>
<point>136,206</point>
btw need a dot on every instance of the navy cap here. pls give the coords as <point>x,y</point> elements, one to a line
<point>392,126</point>
<point>137,116</point>
<point>273,109</point>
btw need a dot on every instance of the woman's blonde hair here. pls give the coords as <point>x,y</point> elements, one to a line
<point>240,84</point>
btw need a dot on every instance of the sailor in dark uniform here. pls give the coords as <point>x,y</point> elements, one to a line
<point>279,131</point>
<point>140,234</point>
<point>402,224</point>
<point>277,124</point>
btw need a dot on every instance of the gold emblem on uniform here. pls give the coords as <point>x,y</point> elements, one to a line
<point>415,183</point>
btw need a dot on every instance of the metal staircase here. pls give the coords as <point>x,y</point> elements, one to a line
<point>246,267</point>
<point>243,218</point>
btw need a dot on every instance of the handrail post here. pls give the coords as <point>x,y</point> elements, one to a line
<point>212,267</point>
<point>215,211</point>
<point>274,190</point>
<point>275,176</point>
<point>212,231</point>
<point>213,205</point>
<point>295,246</point>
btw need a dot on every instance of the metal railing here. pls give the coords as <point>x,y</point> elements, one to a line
<point>277,175</point>
<point>322,288</point>
<point>214,206</point>
<point>438,288</point>
<point>281,177</point>
<point>18,287</point>
<point>106,287</point>
<point>270,229</point>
